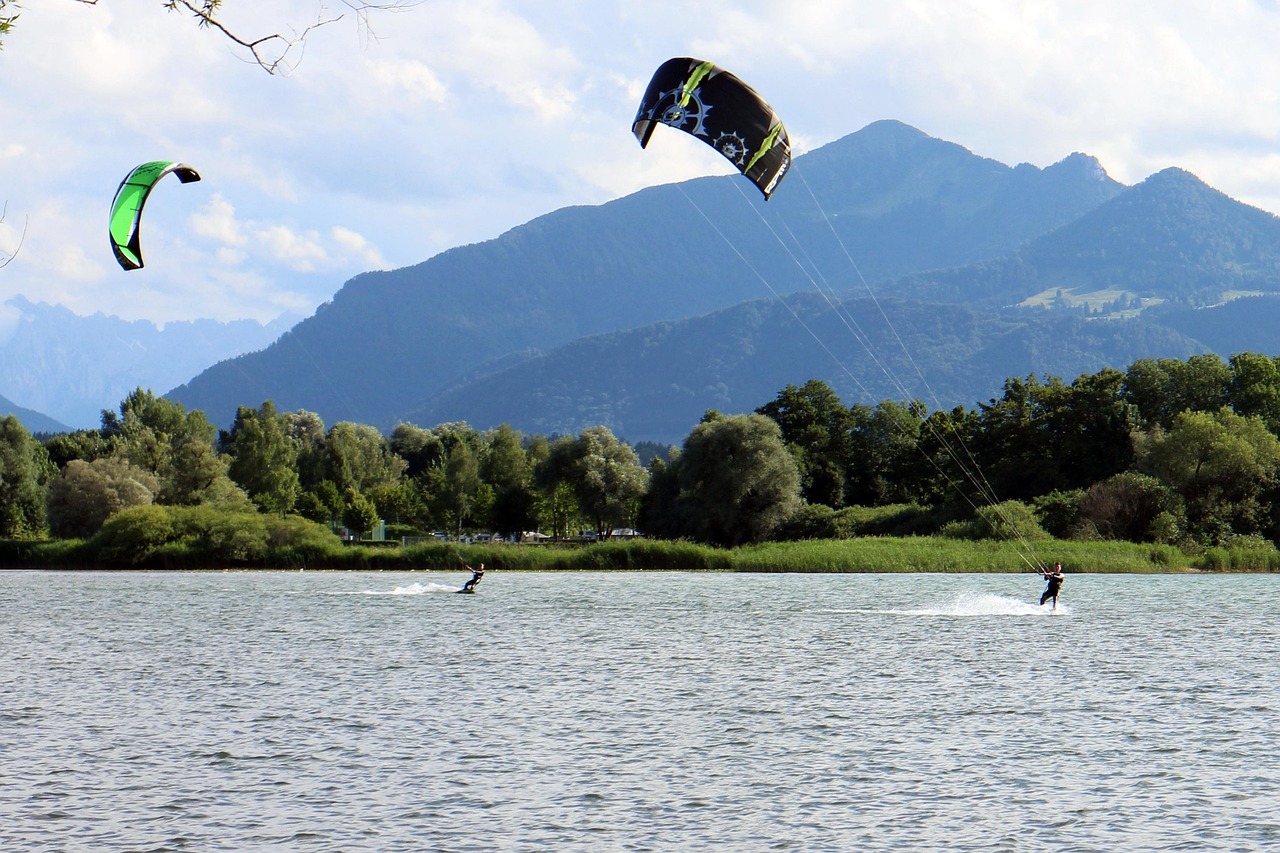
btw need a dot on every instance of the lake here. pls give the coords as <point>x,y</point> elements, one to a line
<point>150,711</point>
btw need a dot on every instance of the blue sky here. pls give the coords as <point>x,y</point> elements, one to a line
<point>455,120</point>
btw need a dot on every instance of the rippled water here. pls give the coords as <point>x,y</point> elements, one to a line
<point>671,711</point>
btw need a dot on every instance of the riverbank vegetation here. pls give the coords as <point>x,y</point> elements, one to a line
<point>202,551</point>
<point>1168,466</point>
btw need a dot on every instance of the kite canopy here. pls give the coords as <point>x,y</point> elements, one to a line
<point>126,209</point>
<point>718,108</point>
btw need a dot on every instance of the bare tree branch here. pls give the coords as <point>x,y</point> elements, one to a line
<point>4,263</point>
<point>273,53</point>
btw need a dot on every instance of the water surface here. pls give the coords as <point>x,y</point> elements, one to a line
<point>636,711</point>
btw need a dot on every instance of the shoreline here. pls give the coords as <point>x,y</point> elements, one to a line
<point>865,555</point>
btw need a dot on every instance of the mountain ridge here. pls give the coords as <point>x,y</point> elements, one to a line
<point>388,341</point>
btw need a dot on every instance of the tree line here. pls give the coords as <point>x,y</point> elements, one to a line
<point>1172,451</point>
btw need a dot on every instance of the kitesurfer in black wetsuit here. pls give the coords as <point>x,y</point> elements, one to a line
<point>476,575</point>
<point>1055,583</point>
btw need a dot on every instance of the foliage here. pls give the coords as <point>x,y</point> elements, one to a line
<point>818,427</point>
<point>1007,521</point>
<point>190,537</point>
<point>1059,511</point>
<point>1222,465</point>
<point>603,474</point>
<point>86,494</point>
<point>359,516</point>
<point>1131,506</point>
<point>24,468</point>
<point>263,459</point>
<point>737,483</point>
<point>1203,479</point>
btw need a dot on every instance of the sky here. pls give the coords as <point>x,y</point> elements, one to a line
<point>450,122</point>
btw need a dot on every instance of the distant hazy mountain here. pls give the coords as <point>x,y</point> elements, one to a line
<point>1164,269</point>
<point>72,367</point>
<point>899,201</point>
<point>654,383</point>
<point>1169,239</point>
<point>33,421</point>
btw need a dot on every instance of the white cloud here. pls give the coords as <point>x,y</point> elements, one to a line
<point>413,78</point>
<point>217,221</point>
<point>301,252</point>
<point>466,117</point>
<point>355,246</point>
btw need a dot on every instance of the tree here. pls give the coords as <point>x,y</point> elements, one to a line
<point>1254,387</point>
<point>1127,507</point>
<point>1222,465</point>
<point>360,515</point>
<point>24,468</point>
<point>604,474</point>
<point>736,480</point>
<point>160,436</point>
<point>359,457</point>
<point>819,429</point>
<point>885,451</point>
<point>506,467</point>
<point>271,52</point>
<point>461,485</point>
<point>263,459</point>
<point>1163,388</point>
<point>85,444</point>
<point>85,494</point>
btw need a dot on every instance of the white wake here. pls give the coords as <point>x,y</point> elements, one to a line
<point>976,604</point>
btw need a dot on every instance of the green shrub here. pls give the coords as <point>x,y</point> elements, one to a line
<point>132,535</point>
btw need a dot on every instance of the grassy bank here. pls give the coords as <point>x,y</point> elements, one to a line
<point>868,554</point>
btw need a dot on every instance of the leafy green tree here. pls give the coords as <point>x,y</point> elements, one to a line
<point>507,468</point>
<point>460,489</point>
<point>177,446</point>
<point>85,444</point>
<point>1009,521</point>
<point>419,448</point>
<point>1127,506</point>
<point>24,468</point>
<point>559,506</point>
<point>402,503</point>
<point>1045,436</point>
<point>942,470</point>
<point>603,472</point>
<point>321,503</point>
<point>359,457</point>
<point>737,481</point>
<point>1223,466</point>
<point>885,455</point>
<point>1163,388</point>
<point>1254,388</point>
<point>307,432</point>
<point>360,515</point>
<point>197,475</point>
<point>263,459</point>
<point>85,494</point>
<point>819,429</point>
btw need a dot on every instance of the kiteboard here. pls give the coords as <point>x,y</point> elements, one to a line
<point>465,590</point>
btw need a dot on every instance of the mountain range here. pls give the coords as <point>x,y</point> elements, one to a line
<point>70,367</point>
<point>889,263</point>
<point>390,344</point>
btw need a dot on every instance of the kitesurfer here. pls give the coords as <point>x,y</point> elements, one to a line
<point>476,575</point>
<point>1055,583</point>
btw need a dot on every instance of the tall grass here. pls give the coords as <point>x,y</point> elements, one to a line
<point>866,554</point>
<point>944,554</point>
